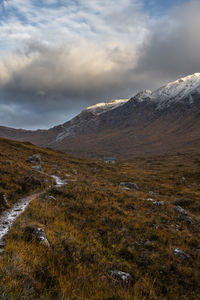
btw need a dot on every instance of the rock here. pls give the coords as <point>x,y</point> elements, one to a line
<point>4,200</point>
<point>124,277</point>
<point>31,232</point>
<point>180,210</point>
<point>158,203</point>
<point>130,185</point>
<point>52,198</point>
<point>150,199</point>
<point>37,168</point>
<point>126,189</point>
<point>41,237</point>
<point>183,215</point>
<point>181,254</point>
<point>186,219</point>
<point>152,193</point>
<point>35,158</point>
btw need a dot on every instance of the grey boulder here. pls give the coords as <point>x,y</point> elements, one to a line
<point>123,277</point>
<point>129,185</point>
<point>35,158</point>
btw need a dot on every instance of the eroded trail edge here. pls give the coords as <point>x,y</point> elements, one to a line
<point>8,217</point>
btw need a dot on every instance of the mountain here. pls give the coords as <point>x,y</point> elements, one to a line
<point>163,121</point>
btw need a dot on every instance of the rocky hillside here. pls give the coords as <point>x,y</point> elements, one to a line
<point>164,121</point>
<point>125,231</point>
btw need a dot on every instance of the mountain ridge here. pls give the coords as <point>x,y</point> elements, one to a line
<point>162,121</point>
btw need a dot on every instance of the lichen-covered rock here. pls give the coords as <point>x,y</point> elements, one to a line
<point>123,277</point>
<point>186,219</point>
<point>37,233</point>
<point>130,185</point>
<point>35,158</point>
<point>3,200</point>
<point>180,210</point>
<point>181,254</point>
<point>183,215</point>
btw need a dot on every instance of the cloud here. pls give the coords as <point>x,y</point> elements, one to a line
<point>61,56</point>
<point>173,48</point>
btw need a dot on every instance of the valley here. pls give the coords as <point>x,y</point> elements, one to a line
<point>139,216</point>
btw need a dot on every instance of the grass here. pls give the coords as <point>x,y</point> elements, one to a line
<point>95,226</point>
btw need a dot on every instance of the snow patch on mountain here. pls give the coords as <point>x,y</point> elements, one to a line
<point>177,90</point>
<point>102,107</point>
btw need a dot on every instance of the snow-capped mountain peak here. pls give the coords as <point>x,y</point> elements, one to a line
<point>102,107</point>
<point>177,90</point>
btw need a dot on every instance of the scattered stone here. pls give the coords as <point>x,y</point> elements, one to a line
<point>41,237</point>
<point>186,219</point>
<point>183,215</point>
<point>52,198</point>
<point>152,193</point>
<point>4,200</point>
<point>124,277</point>
<point>129,185</point>
<point>181,254</point>
<point>158,203</point>
<point>180,210</point>
<point>150,199</point>
<point>126,189</point>
<point>37,168</point>
<point>35,158</point>
<point>31,232</point>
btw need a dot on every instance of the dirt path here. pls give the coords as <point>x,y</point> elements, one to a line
<point>8,217</point>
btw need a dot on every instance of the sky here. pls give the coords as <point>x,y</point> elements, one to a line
<point>59,56</point>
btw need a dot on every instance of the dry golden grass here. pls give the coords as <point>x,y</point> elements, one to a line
<point>95,226</point>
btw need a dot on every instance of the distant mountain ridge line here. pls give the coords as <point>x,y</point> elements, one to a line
<point>164,121</point>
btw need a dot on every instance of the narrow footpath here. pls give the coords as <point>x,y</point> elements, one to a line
<point>9,216</point>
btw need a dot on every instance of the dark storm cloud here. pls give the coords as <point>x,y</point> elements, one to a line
<point>173,48</point>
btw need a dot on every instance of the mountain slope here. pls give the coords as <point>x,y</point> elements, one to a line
<point>164,121</point>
